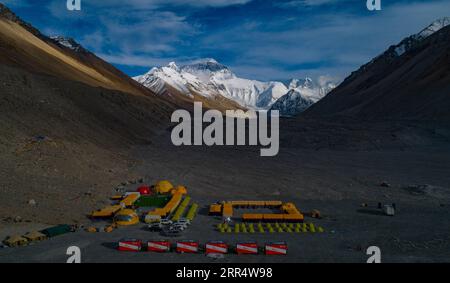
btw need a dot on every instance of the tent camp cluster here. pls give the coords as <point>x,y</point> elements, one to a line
<point>170,210</point>
<point>164,201</point>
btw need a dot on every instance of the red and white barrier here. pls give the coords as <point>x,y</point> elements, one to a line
<point>130,245</point>
<point>247,248</point>
<point>158,246</point>
<point>213,247</point>
<point>187,247</point>
<point>216,248</point>
<point>276,249</point>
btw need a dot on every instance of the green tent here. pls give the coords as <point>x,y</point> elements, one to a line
<point>57,230</point>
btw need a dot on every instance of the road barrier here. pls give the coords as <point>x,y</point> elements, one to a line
<point>130,245</point>
<point>211,247</point>
<point>247,248</point>
<point>158,246</point>
<point>187,247</point>
<point>276,249</point>
<point>216,248</point>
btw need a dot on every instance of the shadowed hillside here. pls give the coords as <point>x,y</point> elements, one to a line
<point>410,81</point>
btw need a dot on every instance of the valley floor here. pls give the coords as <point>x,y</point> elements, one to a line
<point>334,181</point>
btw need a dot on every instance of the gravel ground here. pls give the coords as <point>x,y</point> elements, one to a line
<point>336,182</point>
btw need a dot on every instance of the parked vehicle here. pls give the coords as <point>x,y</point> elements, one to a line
<point>166,222</point>
<point>179,227</point>
<point>183,221</point>
<point>155,227</point>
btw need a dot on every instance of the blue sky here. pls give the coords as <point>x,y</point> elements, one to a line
<point>258,39</point>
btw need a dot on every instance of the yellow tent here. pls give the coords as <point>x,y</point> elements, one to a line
<point>15,241</point>
<point>180,189</point>
<point>35,236</point>
<point>163,187</point>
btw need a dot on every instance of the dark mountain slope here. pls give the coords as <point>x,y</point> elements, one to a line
<point>410,81</point>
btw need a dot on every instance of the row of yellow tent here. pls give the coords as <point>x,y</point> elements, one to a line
<point>289,211</point>
<point>171,206</point>
<point>110,211</point>
<point>127,201</point>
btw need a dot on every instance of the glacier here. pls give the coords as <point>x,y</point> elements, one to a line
<point>210,79</point>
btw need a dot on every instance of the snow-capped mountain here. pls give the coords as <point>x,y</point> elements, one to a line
<point>406,44</point>
<point>210,79</point>
<point>67,42</point>
<point>205,69</point>
<point>432,28</point>
<point>293,103</point>
<point>314,90</point>
<point>248,93</point>
<point>302,94</point>
<point>159,79</point>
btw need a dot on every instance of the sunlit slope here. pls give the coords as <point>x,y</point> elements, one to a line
<point>20,47</point>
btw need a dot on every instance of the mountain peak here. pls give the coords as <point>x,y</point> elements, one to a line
<point>205,69</point>
<point>307,82</point>
<point>433,27</point>
<point>205,61</point>
<point>173,65</point>
<point>407,43</point>
<point>206,64</point>
<point>67,42</point>
<point>5,12</point>
<point>211,79</point>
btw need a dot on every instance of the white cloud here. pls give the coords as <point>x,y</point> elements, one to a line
<point>143,33</point>
<point>127,31</point>
<point>333,44</point>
